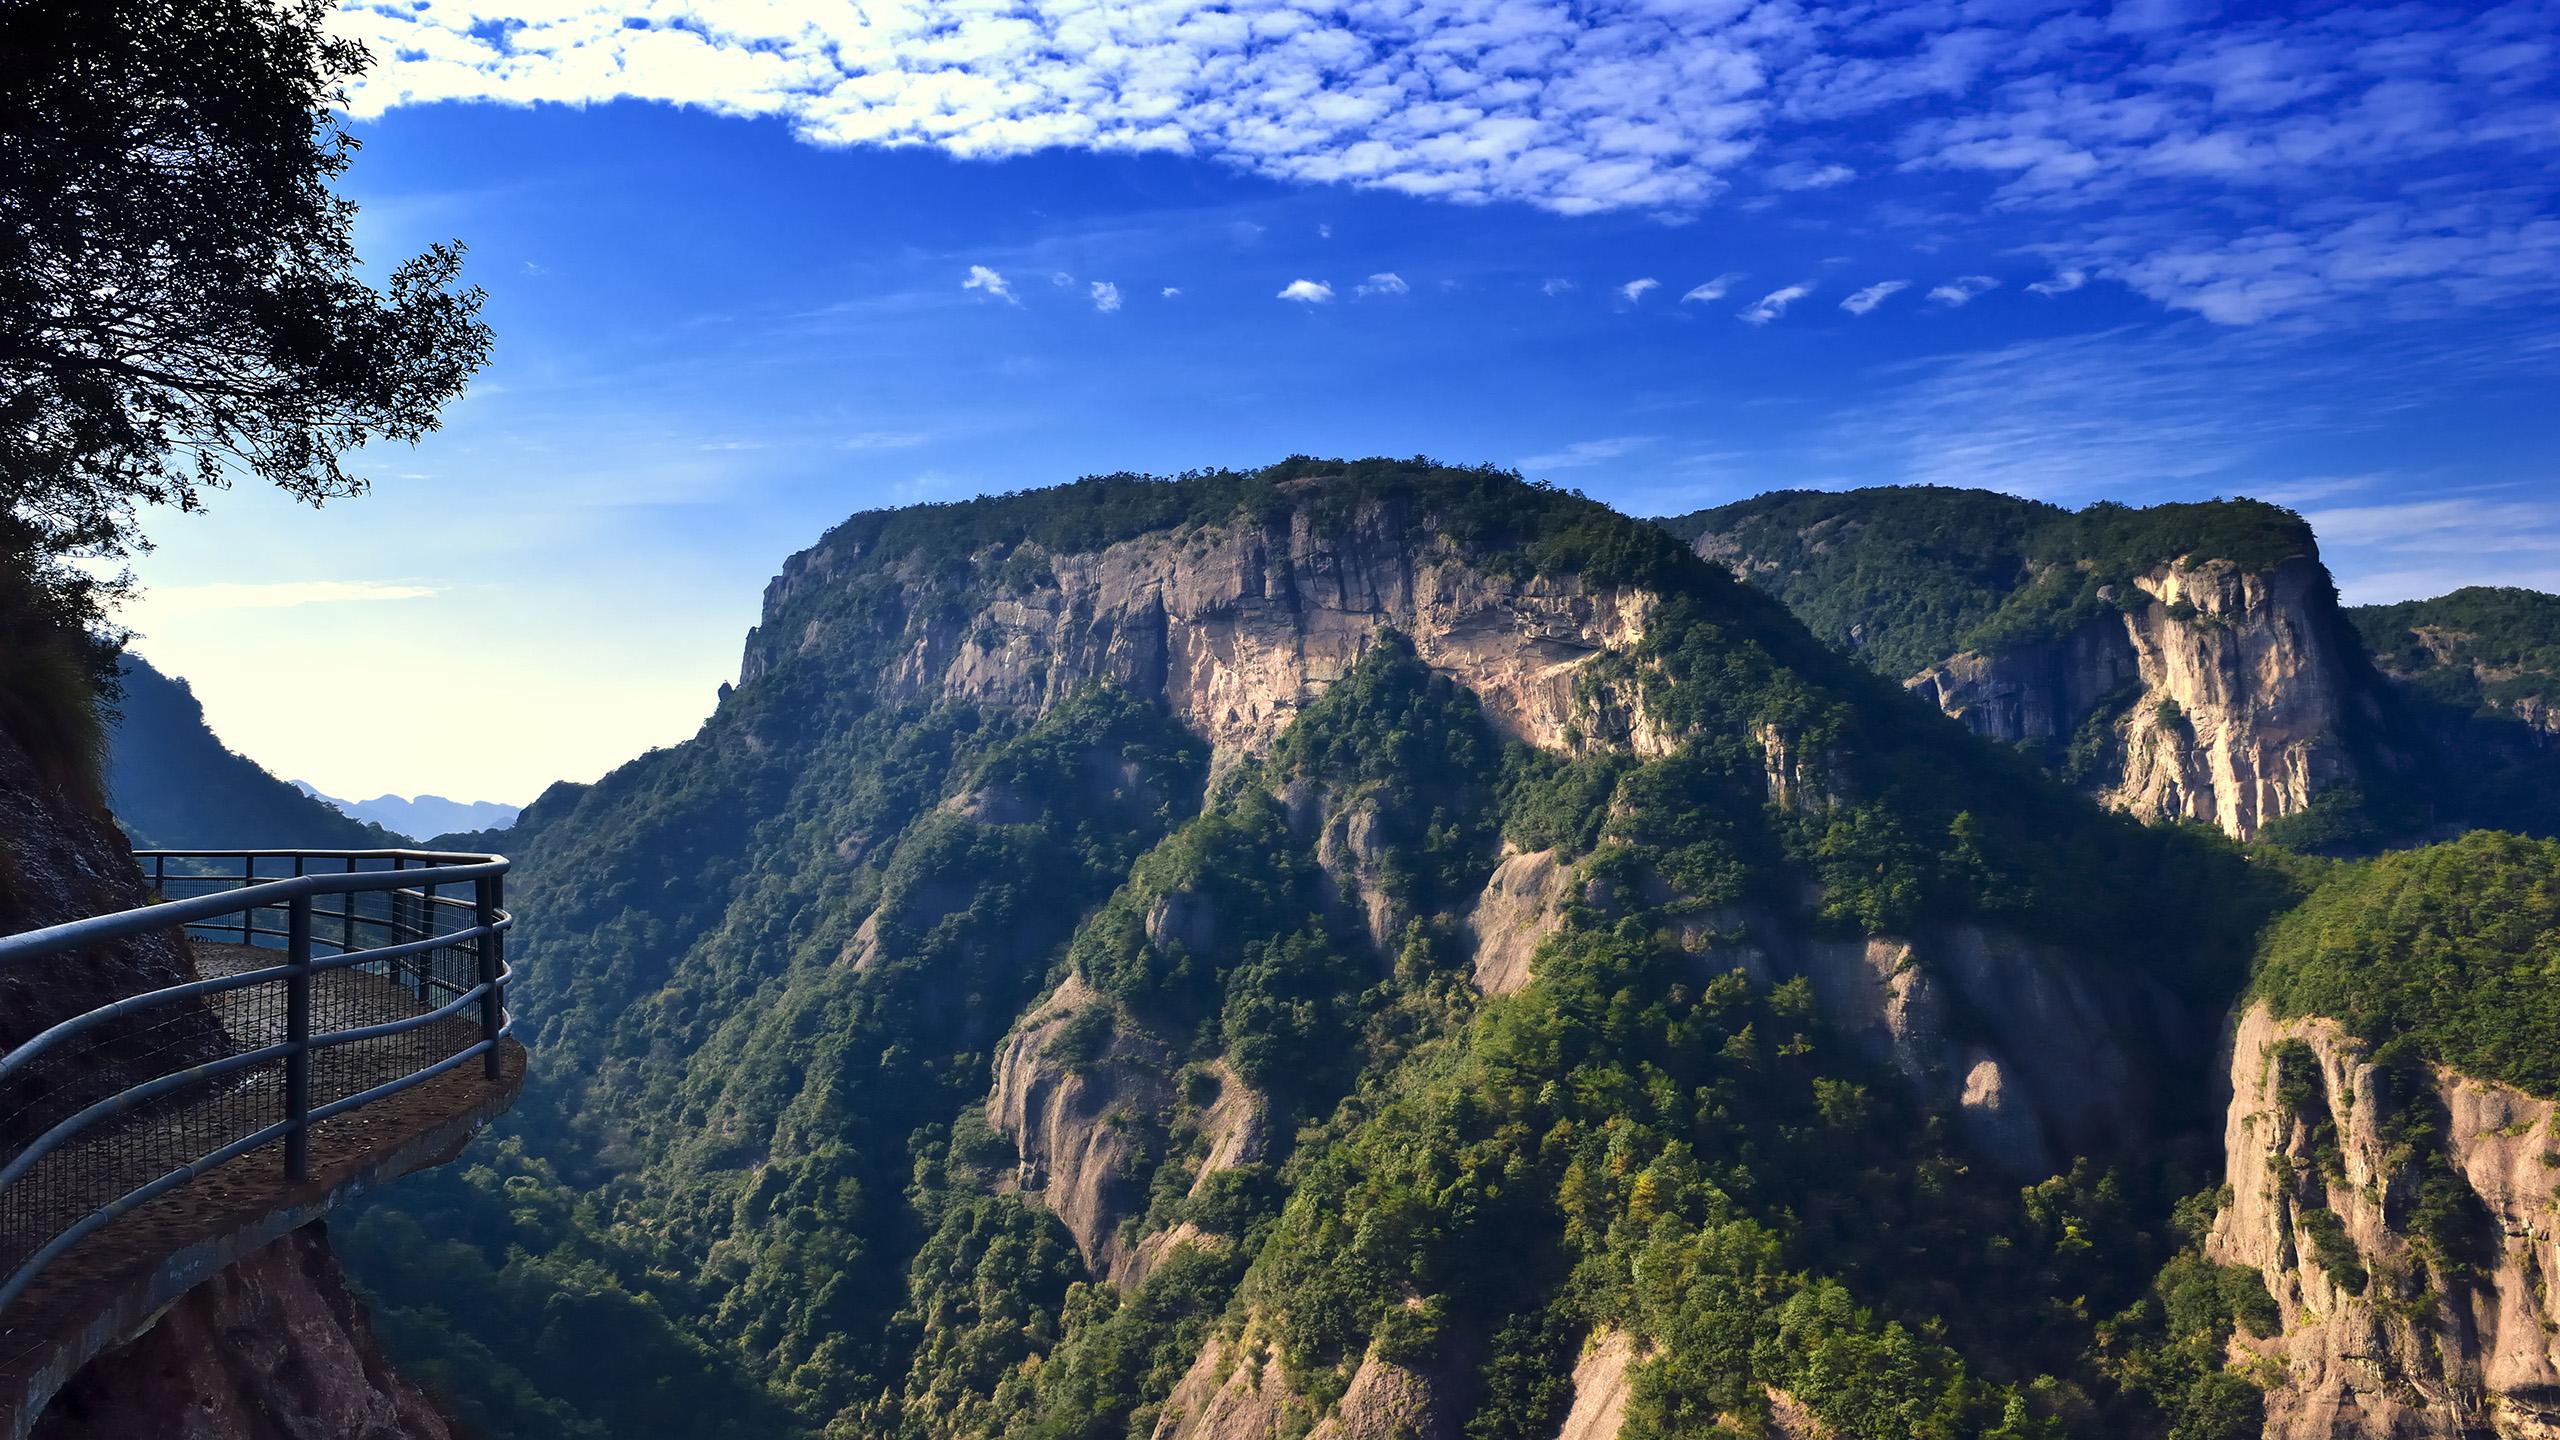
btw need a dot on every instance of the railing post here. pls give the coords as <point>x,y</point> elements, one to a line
<point>488,899</point>
<point>425,969</point>
<point>249,915</point>
<point>347,915</point>
<point>160,876</point>
<point>391,899</point>
<point>297,1033</point>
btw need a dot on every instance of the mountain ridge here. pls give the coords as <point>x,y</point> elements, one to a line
<point>1089,878</point>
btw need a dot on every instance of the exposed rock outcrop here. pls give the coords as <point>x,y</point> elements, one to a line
<point>2401,1351</point>
<point>272,1348</point>
<point>2224,693</point>
<point>1236,627</point>
<point>1602,1382</point>
<point>1233,1391</point>
<point>1081,1124</point>
<point>1090,1128</point>
<point>1387,1401</point>
<point>1514,915</point>
<point>2038,1058</point>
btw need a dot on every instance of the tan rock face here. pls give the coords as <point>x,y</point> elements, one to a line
<point>1516,912</point>
<point>1386,1401</point>
<point>2488,1361</point>
<point>1087,1136</point>
<point>1233,1391</point>
<point>1602,1384</point>
<point>2240,690</point>
<point>273,1348</point>
<point>1236,628</point>
<point>1077,1131</point>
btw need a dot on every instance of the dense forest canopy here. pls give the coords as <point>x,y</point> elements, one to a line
<point>2453,947</point>
<point>2481,647</point>
<point>1906,575</point>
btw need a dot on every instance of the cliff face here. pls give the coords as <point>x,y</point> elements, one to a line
<point>2216,694</point>
<point>2384,1334</point>
<point>62,859</point>
<point>273,1348</point>
<point>1235,627</point>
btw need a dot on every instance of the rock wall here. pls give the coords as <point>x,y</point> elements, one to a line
<point>2481,1357</point>
<point>2037,1057</point>
<point>1236,627</point>
<point>61,859</point>
<point>1090,1134</point>
<point>273,1348</point>
<point>2236,686</point>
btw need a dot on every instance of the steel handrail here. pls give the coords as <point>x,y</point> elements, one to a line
<point>483,934</point>
<point>98,929</point>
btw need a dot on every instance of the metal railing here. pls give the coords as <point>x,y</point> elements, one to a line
<point>403,980</point>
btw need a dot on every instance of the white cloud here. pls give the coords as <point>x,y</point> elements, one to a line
<point>1106,296</point>
<point>1385,282</point>
<point>1062,279</point>
<point>2062,283</point>
<point>1712,290</point>
<point>2128,142</point>
<point>989,282</point>
<point>1307,292</point>
<point>1774,304</point>
<point>1173,292</point>
<point>1796,176</point>
<point>1587,452</point>
<point>169,600</point>
<point>1555,285</point>
<point>1324,232</point>
<point>1873,296</point>
<point>1634,290</point>
<point>1964,290</point>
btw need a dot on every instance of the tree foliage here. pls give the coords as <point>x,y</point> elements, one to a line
<point>180,299</point>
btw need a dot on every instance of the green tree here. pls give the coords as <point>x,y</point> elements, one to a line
<point>179,296</point>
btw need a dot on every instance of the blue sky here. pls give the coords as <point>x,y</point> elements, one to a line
<point>756,266</point>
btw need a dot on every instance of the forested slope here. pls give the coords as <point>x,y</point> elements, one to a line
<point>1055,994</point>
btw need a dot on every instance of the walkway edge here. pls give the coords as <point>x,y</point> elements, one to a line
<point>137,1299</point>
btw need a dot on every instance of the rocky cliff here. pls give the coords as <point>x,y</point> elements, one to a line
<point>2183,662</point>
<point>2407,1222</point>
<point>1232,626</point>
<point>273,1348</point>
<point>2207,693</point>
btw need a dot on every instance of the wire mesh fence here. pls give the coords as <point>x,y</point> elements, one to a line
<point>387,985</point>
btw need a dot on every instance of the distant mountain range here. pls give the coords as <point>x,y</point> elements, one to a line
<point>173,783</point>
<point>422,816</point>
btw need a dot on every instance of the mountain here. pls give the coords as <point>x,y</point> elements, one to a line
<point>422,816</point>
<point>2182,661</point>
<point>173,784</point>
<point>2393,1148</point>
<point>1345,949</point>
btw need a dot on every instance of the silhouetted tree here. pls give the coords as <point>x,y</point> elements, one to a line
<point>179,302</point>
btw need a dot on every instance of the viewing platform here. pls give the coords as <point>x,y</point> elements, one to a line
<point>345,1025</point>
